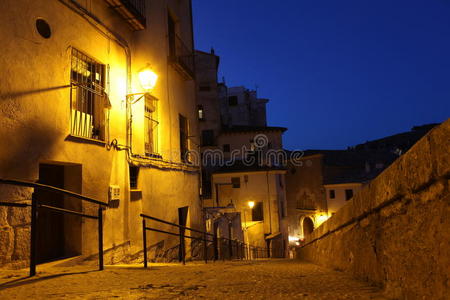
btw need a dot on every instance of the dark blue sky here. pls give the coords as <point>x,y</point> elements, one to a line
<point>337,72</point>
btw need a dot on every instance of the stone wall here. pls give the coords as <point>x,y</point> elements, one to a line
<point>395,233</point>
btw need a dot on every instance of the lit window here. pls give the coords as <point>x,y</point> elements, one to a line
<point>201,112</point>
<point>88,98</point>
<point>151,125</point>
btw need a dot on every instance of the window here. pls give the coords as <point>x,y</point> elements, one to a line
<point>134,174</point>
<point>88,98</point>
<point>207,138</point>
<point>258,212</point>
<point>236,182</point>
<point>226,148</point>
<point>332,194</point>
<point>201,112</point>
<point>232,100</point>
<point>184,136</point>
<point>151,125</point>
<point>204,88</point>
<point>348,194</point>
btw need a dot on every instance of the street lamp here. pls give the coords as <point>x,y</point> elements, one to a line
<point>148,79</point>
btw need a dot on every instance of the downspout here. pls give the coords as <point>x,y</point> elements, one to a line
<point>268,198</point>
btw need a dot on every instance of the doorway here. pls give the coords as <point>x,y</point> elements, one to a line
<point>58,234</point>
<point>308,226</point>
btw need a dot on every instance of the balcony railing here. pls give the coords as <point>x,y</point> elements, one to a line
<point>181,57</point>
<point>133,11</point>
<point>306,203</point>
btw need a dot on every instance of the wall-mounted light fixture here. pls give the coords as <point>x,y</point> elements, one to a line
<point>251,204</point>
<point>148,79</point>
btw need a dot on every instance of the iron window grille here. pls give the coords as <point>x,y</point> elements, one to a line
<point>87,96</point>
<point>151,126</point>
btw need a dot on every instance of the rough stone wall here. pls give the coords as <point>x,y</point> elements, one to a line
<point>395,232</point>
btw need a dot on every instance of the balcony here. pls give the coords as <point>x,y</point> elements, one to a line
<point>133,11</point>
<point>181,57</point>
<point>306,203</point>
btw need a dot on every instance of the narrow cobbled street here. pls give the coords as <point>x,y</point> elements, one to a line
<point>262,279</point>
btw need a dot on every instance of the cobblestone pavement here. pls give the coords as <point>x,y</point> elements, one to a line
<point>268,279</point>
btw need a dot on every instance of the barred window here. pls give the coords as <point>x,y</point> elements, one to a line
<point>151,125</point>
<point>87,96</point>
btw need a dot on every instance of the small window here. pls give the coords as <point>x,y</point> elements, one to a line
<point>134,176</point>
<point>236,182</point>
<point>348,194</point>
<point>258,212</point>
<point>332,194</point>
<point>207,138</point>
<point>43,28</point>
<point>204,88</point>
<point>201,112</point>
<point>226,148</point>
<point>232,100</point>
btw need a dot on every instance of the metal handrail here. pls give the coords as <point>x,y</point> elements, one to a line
<point>34,215</point>
<point>51,189</point>
<point>215,239</point>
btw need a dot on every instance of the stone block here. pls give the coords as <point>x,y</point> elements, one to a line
<point>3,216</point>
<point>6,243</point>
<point>21,243</point>
<point>18,216</point>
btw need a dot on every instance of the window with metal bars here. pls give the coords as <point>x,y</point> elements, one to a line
<point>87,96</point>
<point>151,126</point>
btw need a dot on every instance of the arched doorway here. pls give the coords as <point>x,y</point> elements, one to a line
<point>308,226</point>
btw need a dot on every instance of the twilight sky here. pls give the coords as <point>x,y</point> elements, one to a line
<point>337,72</point>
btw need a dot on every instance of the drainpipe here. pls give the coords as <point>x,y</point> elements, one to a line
<point>268,197</point>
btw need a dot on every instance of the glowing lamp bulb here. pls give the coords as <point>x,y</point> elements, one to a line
<point>251,204</point>
<point>148,79</point>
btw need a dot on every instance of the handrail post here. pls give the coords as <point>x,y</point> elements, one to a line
<point>100,238</point>
<point>205,248</point>
<point>144,240</point>
<point>181,247</point>
<point>222,248</point>
<point>216,250</point>
<point>33,236</point>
